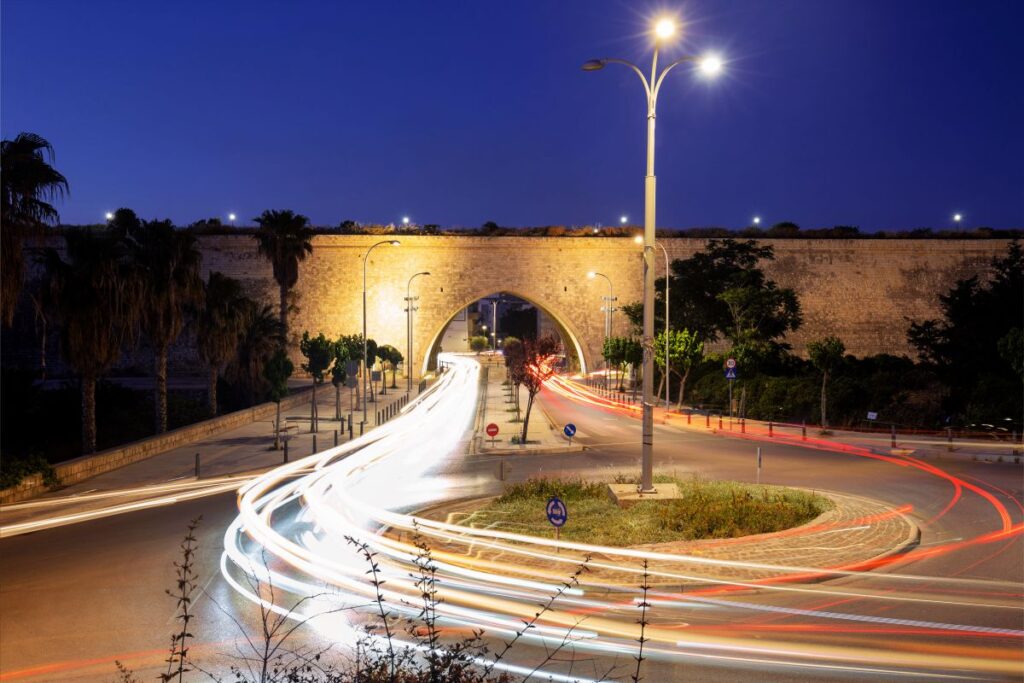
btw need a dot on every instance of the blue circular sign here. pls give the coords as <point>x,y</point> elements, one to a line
<point>557,514</point>
<point>570,430</point>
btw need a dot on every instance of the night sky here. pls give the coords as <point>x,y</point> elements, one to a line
<point>875,113</point>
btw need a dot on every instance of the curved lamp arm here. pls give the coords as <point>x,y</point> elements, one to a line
<point>597,64</point>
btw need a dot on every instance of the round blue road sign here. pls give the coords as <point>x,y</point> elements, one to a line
<point>570,430</point>
<point>557,514</point>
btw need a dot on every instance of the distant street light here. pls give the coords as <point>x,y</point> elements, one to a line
<point>405,220</point>
<point>410,308</point>
<point>608,308</point>
<point>709,66</point>
<point>109,216</point>
<point>757,220</point>
<point>231,218</point>
<point>366,373</point>
<point>957,218</point>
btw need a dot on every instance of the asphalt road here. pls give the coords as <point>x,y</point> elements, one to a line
<point>75,598</point>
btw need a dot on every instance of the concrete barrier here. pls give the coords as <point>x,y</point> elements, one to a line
<point>86,466</point>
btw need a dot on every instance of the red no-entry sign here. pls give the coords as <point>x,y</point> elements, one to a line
<point>492,430</point>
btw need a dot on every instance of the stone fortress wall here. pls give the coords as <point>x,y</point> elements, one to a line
<point>862,290</point>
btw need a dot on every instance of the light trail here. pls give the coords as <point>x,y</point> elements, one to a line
<point>295,524</point>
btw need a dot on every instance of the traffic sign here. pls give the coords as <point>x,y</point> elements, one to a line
<point>557,513</point>
<point>570,430</point>
<point>730,373</point>
<point>492,430</point>
<point>731,363</point>
<point>872,416</point>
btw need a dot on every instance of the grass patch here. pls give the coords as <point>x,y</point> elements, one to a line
<point>707,509</point>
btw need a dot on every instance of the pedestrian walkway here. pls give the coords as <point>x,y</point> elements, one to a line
<point>497,407</point>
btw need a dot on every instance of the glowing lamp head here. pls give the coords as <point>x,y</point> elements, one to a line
<point>757,220</point>
<point>591,275</point>
<point>958,217</point>
<point>405,220</point>
<point>665,29</point>
<point>710,65</point>
<point>232,217</point>
<point>109,216</point>
<point>639,239</point>
<point>624,219</point>
<point>394,243</point>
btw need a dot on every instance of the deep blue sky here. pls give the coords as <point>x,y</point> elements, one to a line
<point>877,113</point>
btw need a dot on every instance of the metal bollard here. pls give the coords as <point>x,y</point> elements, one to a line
<point>286,450</point>
<point>949,438</point>
<point>314,443</point>
<point>803,430</point>
<point>743,425</point>
<point>707,420</point>
<point>689,416</point>
<point>197,465</point>
<point>894,436</point>
<point>719,420</point>
<point>360,428</point>
<point>335,437</point>
<point>770,430</point>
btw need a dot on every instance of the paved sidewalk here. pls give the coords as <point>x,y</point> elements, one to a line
<point>497,407</point>
<point>247,448</point>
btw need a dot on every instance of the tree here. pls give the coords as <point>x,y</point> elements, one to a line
<point>285,239</point>
<point>512,352</point>
<point>698,281</point>
<point>961,345</point>
<point>262,334</point>
<point>319,352</point>
<point>533,366</point>
<point>826,355</point>
<point>633,356</point>
<point>347,348</point>
<point>28,183</point>
<point>614,354</point>
<point>368,363</point>
<point>478,343</point>
<point>218,328</point>
<point>685,351</point>
<point>392,356</point>
<point>758,316</point>
<point>168,262</point>
<point>97,300</point>
<point>276,372</point>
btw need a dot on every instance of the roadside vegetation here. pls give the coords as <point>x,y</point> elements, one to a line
<point>706,509</point>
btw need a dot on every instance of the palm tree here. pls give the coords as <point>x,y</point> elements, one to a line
<point>262,335</point>
<point>285,239</point>
<point>97,300</point>
<point>168,262</point>
<point>218,327</point>
<point>28,183</point>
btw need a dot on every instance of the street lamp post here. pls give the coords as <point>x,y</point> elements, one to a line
<point>709,66</point>
<point>366,369</point>
<point>668,378</point>
<point>409,310</point>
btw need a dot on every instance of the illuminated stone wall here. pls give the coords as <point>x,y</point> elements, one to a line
<point>861,290</point>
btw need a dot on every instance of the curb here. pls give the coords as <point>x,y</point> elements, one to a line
<point>526,450</point>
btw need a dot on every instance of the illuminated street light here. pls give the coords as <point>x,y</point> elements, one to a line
<point>957,218</point>
<point>757,220</point>
<point>232,217</point>
<point>624,220</point>
<point>710,65</point>
<point>608,308</point>
<point>405,220</point>
<point>109,216</point>
<point>366,373</point>
<point>410,308</point>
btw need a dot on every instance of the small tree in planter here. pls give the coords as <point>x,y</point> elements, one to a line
<point>477,343</point>
<point>319,353</point>
<point>531,368</point>
<point>347,348</point>
<point>392,356</point>
<point>368,362</point>
<point>277,371</point>
<point>827,356</point>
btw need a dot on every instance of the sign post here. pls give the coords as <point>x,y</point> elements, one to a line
<point>759,465</point>
<point>570,431</point>
<point>492,431</point>
<point>730,374</point>
<point>557,515</point>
